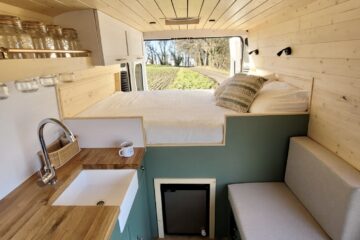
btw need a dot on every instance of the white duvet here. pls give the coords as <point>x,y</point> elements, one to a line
<point>170,116</point>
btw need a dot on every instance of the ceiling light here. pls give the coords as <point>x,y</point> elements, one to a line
<point>182,21</point>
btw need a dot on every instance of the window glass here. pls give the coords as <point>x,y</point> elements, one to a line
<point>201,63</point>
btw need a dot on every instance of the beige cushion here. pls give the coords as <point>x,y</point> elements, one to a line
<point>269,211</point>
<point>220,89</point>
<point>240,92</point>
<point>327,186</point>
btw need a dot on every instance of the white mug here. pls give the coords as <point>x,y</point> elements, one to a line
<point>126,149</point>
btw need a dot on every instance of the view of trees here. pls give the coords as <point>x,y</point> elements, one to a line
<point>209,52</point>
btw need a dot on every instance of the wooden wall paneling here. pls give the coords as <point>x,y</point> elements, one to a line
<point>330,15</point>
<point>251,12</point>
<point>339,49</point>
<point>126,15</point>
<point>295,9</point>
<point>50,8</point>
<point>335,121</point>
<point>252,9</point>
<point>153,8</point>
<point>207,9</point>
<point>325,38</point>
<point>79,95</point>
<point>194,10</point>
<point>24,14</point>
<point>343,31</point>
<point>121,13</point>
<point>180,9</point>
<point>310,67</point>
<point>142,12</point>
<point>167,10</point>
<point>265,15</point>
<point>235,9</point>
<point>219,11</point>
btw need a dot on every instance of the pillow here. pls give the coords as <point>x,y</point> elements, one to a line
<point>280,97</point>
<point>222,85</point>
<point>240,92</point>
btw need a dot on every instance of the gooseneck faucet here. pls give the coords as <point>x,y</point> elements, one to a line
<point>47,173</point>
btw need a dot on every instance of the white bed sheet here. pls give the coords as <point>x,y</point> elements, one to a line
<point>170,116</point>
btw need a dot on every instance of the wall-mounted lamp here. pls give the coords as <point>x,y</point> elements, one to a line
<point>287,51</point>
<point>256,51</point>
<point>246,41</point>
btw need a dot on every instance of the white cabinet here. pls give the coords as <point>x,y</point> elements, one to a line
<point>135,44</point>
<point>113,39</point>
<point>109,40</point>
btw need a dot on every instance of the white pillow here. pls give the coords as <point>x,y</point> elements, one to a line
<point>278,96</point>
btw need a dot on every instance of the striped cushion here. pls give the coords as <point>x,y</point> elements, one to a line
<point>220,89</point>
<point>240,92</point>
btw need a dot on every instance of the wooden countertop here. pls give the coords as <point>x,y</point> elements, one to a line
<point>27,213</point>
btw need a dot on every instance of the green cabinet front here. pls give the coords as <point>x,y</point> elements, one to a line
<point>138,223</point>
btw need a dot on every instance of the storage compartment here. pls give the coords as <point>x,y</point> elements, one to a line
<point>110,40</point>
<point>185,209</point>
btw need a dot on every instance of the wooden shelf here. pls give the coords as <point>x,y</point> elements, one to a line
<point>17,69</point>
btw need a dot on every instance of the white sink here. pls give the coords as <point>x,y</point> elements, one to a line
<point>113,187</point>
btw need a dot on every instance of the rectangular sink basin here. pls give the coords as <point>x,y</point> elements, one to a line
<point>102,187</point>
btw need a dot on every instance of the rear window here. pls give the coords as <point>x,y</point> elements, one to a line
<point>201,63</point>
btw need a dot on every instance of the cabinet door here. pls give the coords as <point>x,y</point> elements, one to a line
<point>113,39</point>
<point>139,219</point>
<point>135,44</point>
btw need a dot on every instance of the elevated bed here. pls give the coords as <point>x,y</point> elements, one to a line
<point>170,116</point>
<point>190,117</point>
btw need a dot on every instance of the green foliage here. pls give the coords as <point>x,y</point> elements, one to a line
<point>160,77</point>
<point>188,79</point>
<point>167,77</point>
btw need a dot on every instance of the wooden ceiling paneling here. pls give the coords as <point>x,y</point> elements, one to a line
<point>228,14</point>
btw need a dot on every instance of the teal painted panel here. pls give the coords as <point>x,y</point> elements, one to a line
<point>116,235</point>
<point>138,225</point>
<point>139,218</point>
<point>256,150</point>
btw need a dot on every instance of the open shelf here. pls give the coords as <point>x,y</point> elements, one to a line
<point>17,69</point>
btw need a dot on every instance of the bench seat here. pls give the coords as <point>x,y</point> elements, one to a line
<point>270,211</point>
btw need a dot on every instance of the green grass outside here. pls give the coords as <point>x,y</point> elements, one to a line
<point>167,77</point>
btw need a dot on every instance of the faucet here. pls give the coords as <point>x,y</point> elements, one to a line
<point>47,173</point>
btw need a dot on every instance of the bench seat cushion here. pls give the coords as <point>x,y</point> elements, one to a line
<point>270,211</point>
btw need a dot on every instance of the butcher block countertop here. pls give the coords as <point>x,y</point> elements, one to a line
<point>27,213</point>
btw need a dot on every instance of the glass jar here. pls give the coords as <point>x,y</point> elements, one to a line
<point>23,39</point>
<point>71,36</point>
<point>61,43</point>
<point>41,39</point>
<point>8,37</point>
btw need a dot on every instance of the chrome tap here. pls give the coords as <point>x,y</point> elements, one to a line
<point>47,173</point>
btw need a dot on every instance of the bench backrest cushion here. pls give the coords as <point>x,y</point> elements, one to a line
<point>327,186</point>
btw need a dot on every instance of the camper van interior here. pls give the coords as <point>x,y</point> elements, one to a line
<point>180,119</point>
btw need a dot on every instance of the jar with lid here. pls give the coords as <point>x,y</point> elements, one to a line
<point>22,39</point>
<point>41,39</point>
<point>71,36</point>
<point>61,43</point>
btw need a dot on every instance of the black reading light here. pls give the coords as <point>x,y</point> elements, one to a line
<point>287,51</point>
<point>256,51</point>
<point>246,41</point>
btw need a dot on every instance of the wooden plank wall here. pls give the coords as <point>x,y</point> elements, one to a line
<point>90,86</point>
<point>24,14</point>
<point>325,38</point>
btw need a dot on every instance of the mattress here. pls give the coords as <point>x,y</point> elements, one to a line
<point>171,117</point>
